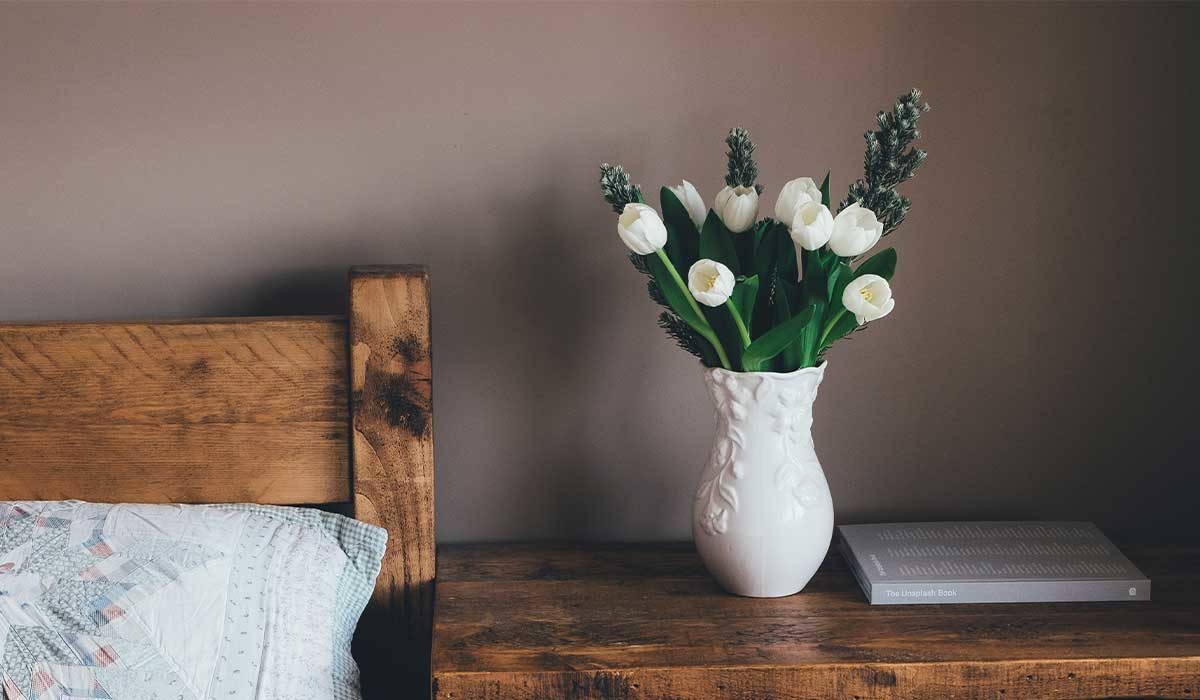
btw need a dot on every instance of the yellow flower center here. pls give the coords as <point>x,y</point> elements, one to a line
<point>710,281</point>
<point>866,294</point>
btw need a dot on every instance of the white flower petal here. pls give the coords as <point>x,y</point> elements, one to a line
<point>868,297</point>
<point>641,229</point>
<point>691,200</point>
<point>812,226</point>
<point>737,207</point>
<point>794,194</point>
<point>855,231</point>
<point>710,282</point>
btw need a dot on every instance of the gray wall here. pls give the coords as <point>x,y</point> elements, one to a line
<point>235,159</point>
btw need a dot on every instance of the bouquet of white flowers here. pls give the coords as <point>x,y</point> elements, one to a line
<point>772,294</point>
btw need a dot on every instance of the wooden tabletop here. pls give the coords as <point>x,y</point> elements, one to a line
<point>646,621</point>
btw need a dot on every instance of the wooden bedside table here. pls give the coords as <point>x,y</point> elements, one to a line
<point>645,621</point>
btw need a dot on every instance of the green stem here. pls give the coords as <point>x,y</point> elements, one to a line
<point>741,325</point>
<point>829,327</point>
<point>708,334</point>
<point>712,338</point>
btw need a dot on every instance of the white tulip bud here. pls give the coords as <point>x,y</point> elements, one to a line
<point>793,195</point>
<point>868,297</point>
<point>710,282</point>
<point>812,225</point>
<point>641,229</point>
<point>737,207</point>
<point>692,201</point>
<point>855,231</point>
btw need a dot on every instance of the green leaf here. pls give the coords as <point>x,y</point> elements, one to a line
<point>882,263</point>
<point>774,261</point>
<point>673,294</point>
<point>683,240</point>
<point>825,190</point>
<point>764,251</point>
<point>702,323</point>
<point>760,230</point>
<point>841,328</point>
<point>744,243</point>
<point>760,319</point>
<point>775,248</point>
<point>722,324</point>
<point>758,355</point>
<point>780,311</point>
<point>814,286</point>
<point>838,279</point>
<point>792,356</point>
<point>716,243</point>
<point>811,334</point>
<point>745,293</point>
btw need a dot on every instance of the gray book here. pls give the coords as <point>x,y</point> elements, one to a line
<point>989,562</point>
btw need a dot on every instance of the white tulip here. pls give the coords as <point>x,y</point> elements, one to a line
<point>812,225</point>
<point>692,201</point>
<point>793,195</point>
<point>855,231</point>
<point>737,207</point>
<point>710,282</point>
<point>641,229</point>
<point>868,297</point>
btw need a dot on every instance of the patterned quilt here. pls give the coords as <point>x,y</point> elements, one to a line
<point>147,602</point>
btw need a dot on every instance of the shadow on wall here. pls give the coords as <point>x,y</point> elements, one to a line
<point>516,342</point>
<point>302,291</point>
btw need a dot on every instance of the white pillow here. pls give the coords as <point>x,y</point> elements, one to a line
<point>142,602</point>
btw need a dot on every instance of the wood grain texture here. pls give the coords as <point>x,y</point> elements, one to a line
<point>213,410</point>
<point>390,372</point>
<point>646,621</point>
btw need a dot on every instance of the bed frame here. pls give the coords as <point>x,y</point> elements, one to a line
<point>287,410</point>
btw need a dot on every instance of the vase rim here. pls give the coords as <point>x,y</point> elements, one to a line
<point>819,369</point>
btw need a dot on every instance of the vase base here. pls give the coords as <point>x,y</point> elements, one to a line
<point>766,566</point>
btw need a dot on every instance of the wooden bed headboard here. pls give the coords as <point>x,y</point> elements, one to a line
<point>287,410</point>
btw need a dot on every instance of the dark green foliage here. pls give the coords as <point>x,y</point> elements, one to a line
<point>882,263</point>
<point>745,293</point>
<point>742,168</point>
<point>889,161</point>
<point>683,240</point>
<point>687,339</point>
<point>618,192</point>
<point>675,298</point>
<point>839,277</point>
<point>842,326</point>
<point>792,355</point>
<point>775,264</point>
<point>813,295</point>
<point>757,356</point>
<point>841,323</point>
<point>680,331</point>
<point>716,243</point>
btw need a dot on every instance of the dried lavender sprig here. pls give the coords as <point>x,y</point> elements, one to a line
<point>742,168</point>
<point>890,161</point>
<point>683,335</point>
<point>618,191</point>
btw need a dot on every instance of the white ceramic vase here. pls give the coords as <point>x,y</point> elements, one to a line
<point>763,516</point>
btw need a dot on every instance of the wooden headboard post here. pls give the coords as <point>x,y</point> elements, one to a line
<point>392,468</point>
<point>288,410</point>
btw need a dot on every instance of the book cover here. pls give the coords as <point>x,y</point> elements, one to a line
<point>989,562</point>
